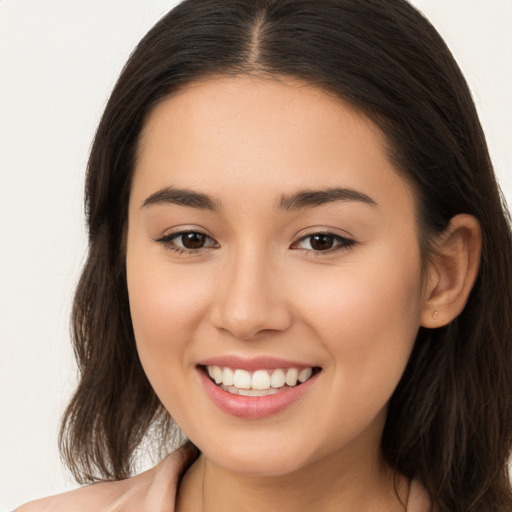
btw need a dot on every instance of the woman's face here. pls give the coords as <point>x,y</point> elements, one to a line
<point>269,234</point>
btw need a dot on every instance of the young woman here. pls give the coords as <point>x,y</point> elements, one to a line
<point>299,259</point>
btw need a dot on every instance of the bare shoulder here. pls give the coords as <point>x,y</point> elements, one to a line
<point>151,491</point>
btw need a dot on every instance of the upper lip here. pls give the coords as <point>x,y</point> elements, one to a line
<point>253,363</point>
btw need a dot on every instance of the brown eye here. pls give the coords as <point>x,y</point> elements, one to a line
<point>193,240</point>
<point>322,242</point>
<point>188,242</point>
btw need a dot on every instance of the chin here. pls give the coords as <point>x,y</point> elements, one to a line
<point>256,457</point>
<point>254,464</point>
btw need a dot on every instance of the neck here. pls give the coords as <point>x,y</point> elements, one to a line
<point>361,482</point>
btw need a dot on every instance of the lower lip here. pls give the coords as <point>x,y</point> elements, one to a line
<point>254,406</point>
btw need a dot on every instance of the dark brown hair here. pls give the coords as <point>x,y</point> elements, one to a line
<point>450,418</point>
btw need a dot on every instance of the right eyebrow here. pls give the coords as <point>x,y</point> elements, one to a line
<point>182,197</point>
<point>314,198</point>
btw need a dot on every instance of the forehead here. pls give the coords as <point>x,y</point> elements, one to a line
<point>235,107</point>
<point>261,135</point>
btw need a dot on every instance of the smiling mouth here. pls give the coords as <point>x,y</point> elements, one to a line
<point>262,382</point>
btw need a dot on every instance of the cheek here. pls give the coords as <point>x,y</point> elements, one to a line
<point>166,310</point>
<point>167,305</point>
<point>367,317</point>
<point>367,321</point>
<point>163,303</point>
<point>370,306</point>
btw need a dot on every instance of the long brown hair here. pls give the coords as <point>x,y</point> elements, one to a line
<point>450,418</point>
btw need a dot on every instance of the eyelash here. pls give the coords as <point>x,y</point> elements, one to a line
<point>342,243</point>
<point>168,241</point>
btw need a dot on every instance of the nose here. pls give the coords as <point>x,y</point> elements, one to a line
<point>251,297</point>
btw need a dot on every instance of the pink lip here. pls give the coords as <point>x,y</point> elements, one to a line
<point>253,407</point>
<point>253,363</point>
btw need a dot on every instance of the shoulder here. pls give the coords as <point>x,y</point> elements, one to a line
<point>151,491</point>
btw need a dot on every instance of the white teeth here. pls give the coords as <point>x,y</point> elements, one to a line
<point>232,389</point>
<point>217,374</point>
<point>291,376</point>
<point>252,392</point>
<point>242,379</point>
<point>277,379</point>
<point>305,374</point>
<point>227,379</point>
<point>257,392</point>
<point>261,380</point>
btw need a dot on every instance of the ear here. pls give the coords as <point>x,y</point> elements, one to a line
<point>452,271</point>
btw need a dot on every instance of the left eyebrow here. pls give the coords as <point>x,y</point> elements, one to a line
<point>182,197</point>
<point>313,198</point>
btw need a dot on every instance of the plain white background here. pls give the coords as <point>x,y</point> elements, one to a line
<point>59,60</point>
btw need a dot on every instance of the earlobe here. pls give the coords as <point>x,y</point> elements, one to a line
<point>453,269</point>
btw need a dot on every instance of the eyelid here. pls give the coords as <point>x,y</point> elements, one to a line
<point>167,240</point>
<point>344,242</point>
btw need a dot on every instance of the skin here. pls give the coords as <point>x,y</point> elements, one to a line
<point>258,288</point>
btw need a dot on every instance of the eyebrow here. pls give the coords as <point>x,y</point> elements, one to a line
<point>297,201</point>
<point>182,197</point>
<point>312,198</point>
